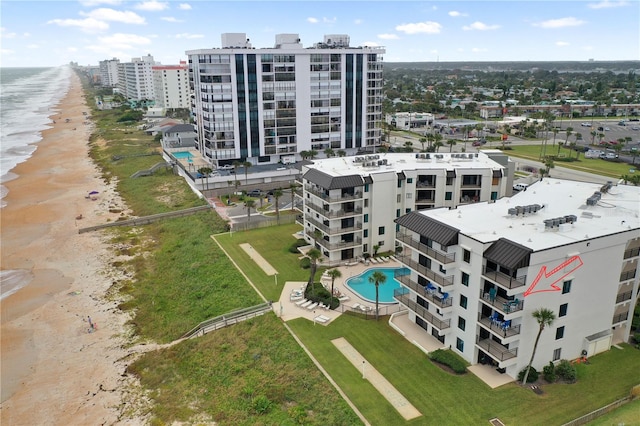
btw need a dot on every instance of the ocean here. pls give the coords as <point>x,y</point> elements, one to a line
<point>28,97</point>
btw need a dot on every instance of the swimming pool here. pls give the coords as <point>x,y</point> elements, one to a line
<point>180,155</point>
<point>360,285</point>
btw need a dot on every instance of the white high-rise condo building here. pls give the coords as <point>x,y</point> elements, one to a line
<point>135,79</point>
<point>261,105</point>
<point>479,271</point>
<point>109,72</point>
<point>171,86</point>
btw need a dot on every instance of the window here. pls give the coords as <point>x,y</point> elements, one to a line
<point>398,198</point>
<point>397,212</point>
<point>409,196</point>
<point>463,301</point>
<point>559,332</point>
<point>494,195</point>
<point>366,202</point>
<point>448,195</point>
<point>380,243</point>
<point>465,279</point>
<point>381,230</point>
<point>563,309</point>
<point>407,210</point>
<point>566,287</point>
<point>366,218</point>
<point>399,183</point>
<point>459,344</point>
<point>556,354</point>
<point>442,270</point>
<point>365,233</point>
<point>409,180</point>
<point>366,187</point>
<point>462,323</point>
<point>365,248</point>
<point>466,255</point>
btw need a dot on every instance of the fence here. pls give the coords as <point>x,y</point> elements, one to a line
<point>383,310</point>
<point>145,220</point>
<point>263,223</point>
<point>599,412</point>
<point>227,319</point>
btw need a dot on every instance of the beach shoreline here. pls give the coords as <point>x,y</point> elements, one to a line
<point>56,369</point>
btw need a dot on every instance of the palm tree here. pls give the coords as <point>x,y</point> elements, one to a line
<point>312,154</point>
<point>333,274</point>
<point>451,143</point>
<point>437,145</point>
<point>548,162</point>
<point>314,255</point>
<point>293,188</point>
<point>342,153</point>
<point>229,182</point>
<point>566,141</point>
<point>246,166</point>
<point>329,152</point>
<point>545,317</point>
<point>376,279</point>
<point>236,165</point>
<point>205,172</point>
<point>276,195</point>
<point>249,204</point>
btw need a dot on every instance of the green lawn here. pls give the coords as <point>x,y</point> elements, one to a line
<point>628,415</point>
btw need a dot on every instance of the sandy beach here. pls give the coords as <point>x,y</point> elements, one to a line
<point>54,371</point>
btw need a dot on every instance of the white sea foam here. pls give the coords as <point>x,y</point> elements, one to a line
<point>28,97</point>
<point>13,280</point>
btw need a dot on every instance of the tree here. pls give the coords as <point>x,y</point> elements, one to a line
<point>205,172</point>
<point>229,182</point>
<point>545,317</point>
<point>548,162</point>
<point>292,187</point>
<point>329,152</point>
<point>375,250</point>
<point>276,195</point>
<point>246,166</point>
<point>314,255</point>
<point>342,153</point>
<point>333,274</point>
<point>312,154</point>
<point>437,145</point>
<point>376,279</point>
<point>249,204</point>
<point>422,142</point>
<point>236,166</point>
<point>566,141</point>
<point>451,143</point>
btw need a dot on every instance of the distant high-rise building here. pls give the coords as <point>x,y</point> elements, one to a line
<point>171,86</point>
<point>135,79</point>
<point>109,72</point>
<point>261,105</point>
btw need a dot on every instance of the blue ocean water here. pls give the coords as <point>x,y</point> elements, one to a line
<point>28,97</point>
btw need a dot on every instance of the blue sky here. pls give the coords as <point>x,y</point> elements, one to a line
<point>50,33</point>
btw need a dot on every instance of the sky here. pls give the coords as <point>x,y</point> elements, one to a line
<point>52,33</point>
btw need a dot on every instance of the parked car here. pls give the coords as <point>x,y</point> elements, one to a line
<point>585,124</point>
<point>608,155</point>
<point>520,187</point>
<point>254,193</point>
<point>593,153</point>
<point>622,123</point>
<point>225,167</point>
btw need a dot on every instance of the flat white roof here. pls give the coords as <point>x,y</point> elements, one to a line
<point>399,162</point>
<point>618,210</point>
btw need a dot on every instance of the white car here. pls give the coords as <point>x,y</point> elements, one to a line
<point>585,124</point>
<point>225,167</point>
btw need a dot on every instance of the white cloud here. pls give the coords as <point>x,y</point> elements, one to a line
<point>312,20</point>
<point>478,49</point>
<point>330,20</point>
<point>560,23</point>
<point>7,51</point>
<point>124,41</point>
<point>184,6</point>
<point>5,34</point>
<point>171,19</point>
<point>32,46</point>
<point>189,36</point>
<point>456,14</point>
<point>427,27</point>
<point>480,26</point>
<point>388,36</point>
<point>104,14</point>
<point>370,44</point>
<point>562,43</point>
<point>152,6</point>
<point>88,25</point>
<point>606,4</point>
<point>357,21</point>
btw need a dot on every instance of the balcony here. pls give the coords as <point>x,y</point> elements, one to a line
<point>438,255</point>
<point>426,272</point>
<point>420,290</point>
<point>619,318</point>
<point>420,310</point>
<point>634,252</point>
<point>504,280</point>
<point>357,226</point>
<point>498,327</point>
<point>496,350</point>
<point>505,306</point>
<point>337,246</point>
<point>334,213</point>
<point>345,197</point>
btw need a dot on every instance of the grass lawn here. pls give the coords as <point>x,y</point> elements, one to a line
<point>628,414</point>
<point>591,165</point>
<point>443,398</point>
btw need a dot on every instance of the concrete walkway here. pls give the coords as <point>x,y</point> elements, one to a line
<point>378,381</point>
<point>260,261</point>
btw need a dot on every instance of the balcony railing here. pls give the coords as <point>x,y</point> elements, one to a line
<point>335,230</point>
<point>318,193</point>
<point>497,328</point>
<point>624,296</point>
<point>334,213</point>
<point>498,351</point>
<point>420,290</point>
<point>404,298</point>
<point>634,252</point>
<point>438,255</point>
<point>503,279</point>
<point>337,245</point>
<point>505,306</point>
<point>426,272</point>
<point>628,275</point>
<point>620,318</point>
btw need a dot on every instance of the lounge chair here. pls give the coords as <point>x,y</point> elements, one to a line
<point>295,297</point>
<point>386,259</point>
<point>356,306</point>
<point>301,302</point>
<point>393,258</point>
<point>306,304</point>
<point>343,298</point>
<point>372,260</point>
<point>312,306</point>
<point>322,319</point>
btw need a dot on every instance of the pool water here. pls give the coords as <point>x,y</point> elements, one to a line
<point>360,284</point>
<point>180,155</point>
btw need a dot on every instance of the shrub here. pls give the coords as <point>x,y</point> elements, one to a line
<point>532,377</point>
<point>293,248</point>
<point>549,372</point>
<point>262,405</point>
<point>566,371</point>
<point>305,263</point>
<point>449,359</point>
